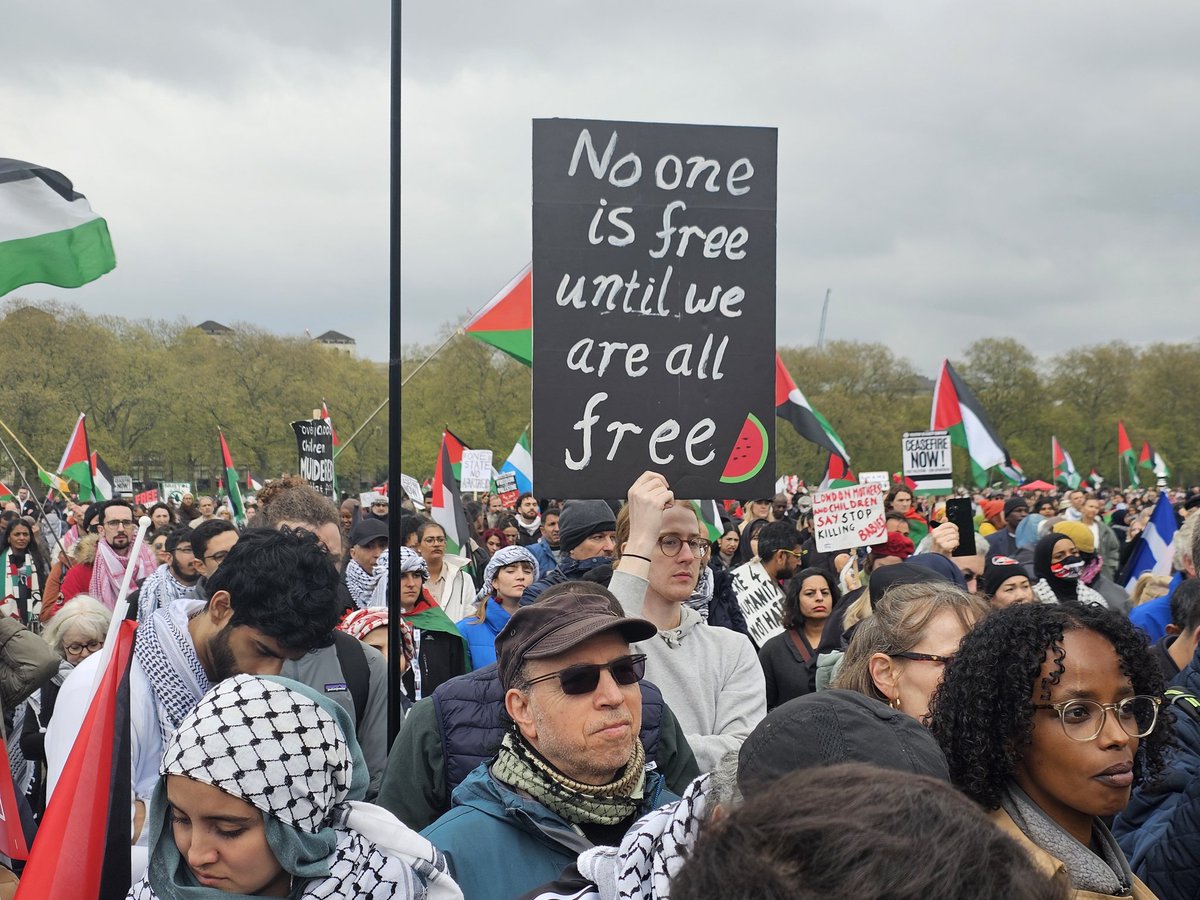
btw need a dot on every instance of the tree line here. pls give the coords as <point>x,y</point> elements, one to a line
<point>155,392</point>
<point>871,395</point>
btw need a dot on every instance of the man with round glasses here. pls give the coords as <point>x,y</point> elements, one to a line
<point>571,771</point>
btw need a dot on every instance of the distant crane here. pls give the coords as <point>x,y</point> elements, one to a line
<point>824,316</point>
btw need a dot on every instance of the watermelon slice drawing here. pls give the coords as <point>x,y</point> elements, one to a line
<point>749,452</point>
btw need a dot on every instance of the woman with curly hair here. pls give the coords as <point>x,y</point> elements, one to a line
<point>1048,716</point>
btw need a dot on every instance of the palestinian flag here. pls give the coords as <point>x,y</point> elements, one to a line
<point>506,322</point>
<point>75,466</point>
<point>1153,460</point>
<point>710,518</point>
<point>837,474</point>
<point>7,494</point>
<point>329,422</point>
<point>1013,472</point>
<point>446,507</point>
<point>956,409</point>
<point>1064,467</point>
<point>231,478</point>
<point>1095,479</point>
<point>1125,452</point>
<point>89,811</point>
<point>48,232</point>
<point>102,477</point>
<point>792,405</point>
<point>251,485</point>
<point>520,463</point>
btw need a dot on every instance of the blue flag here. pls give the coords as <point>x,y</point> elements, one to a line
<point>1154,552</point>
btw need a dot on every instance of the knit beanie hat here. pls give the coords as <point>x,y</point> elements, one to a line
<point>581,519</point>
<point>997,570</point>
<point>991,508</point>
<point>1079,533</point>
<point>1013,503</point>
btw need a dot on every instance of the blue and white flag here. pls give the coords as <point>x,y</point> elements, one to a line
<point>520,463</point>
<point>1154,552</point>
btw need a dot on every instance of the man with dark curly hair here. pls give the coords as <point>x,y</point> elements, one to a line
<point>1049,715</point>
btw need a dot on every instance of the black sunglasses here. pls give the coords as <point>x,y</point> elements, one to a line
<point>582,679</point>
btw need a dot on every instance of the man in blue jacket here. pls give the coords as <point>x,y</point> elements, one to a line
<point>1159,829</point>
<point>571,772</point>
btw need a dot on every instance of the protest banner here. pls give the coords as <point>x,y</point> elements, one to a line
<point>123,485</point>
<point>314,445</point>
<point>927,460</point>
<point>761,603</point>
<point>412,489</point>
<point>849,517</point>
<point>880,478</point>
<point>653,297</point>
<point>476,471</point>
<point>173,491</point>
<point>506,487</point>
<point>146,498</point>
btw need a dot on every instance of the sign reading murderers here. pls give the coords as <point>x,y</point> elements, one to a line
<point>927,460</point>
<point>506,487</point>
<point>653,298</point>
<point>476,471</point>
<point>314,444</point>
<point>849,517</point>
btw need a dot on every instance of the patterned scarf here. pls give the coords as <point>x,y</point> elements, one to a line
<point>292,754</point>
<point>1084,594</point>
<point>522,767</point>
<point>20,585</point>
<point>160,590</point>
<point>108,568</point>
<point>361,585</point>
<point>164,649</point>
<point>650,855</point>
<point>703,594</point>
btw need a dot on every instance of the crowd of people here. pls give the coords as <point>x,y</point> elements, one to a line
<point>624,699</point>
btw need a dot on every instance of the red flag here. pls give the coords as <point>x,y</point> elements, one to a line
<point>329,422</point>
<point>77,816</point>
<point>12,838</point>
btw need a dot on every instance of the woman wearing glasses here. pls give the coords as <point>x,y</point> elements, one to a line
<point>1049,715</point>
<point>899,653</point>
<point>74,634</point>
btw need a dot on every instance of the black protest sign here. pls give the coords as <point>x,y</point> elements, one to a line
<point>314,443</point>
<point>653,308</point>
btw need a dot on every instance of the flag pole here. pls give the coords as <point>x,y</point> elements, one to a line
<point>23,447</point>
<point>337,450</point>
<point>395,638</point>
<point>408,377</point>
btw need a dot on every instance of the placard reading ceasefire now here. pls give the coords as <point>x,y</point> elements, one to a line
<point>653,308</point>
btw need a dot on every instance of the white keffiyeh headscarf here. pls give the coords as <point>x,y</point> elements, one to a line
<point>164,650</point>
<point>291,753</point>
<point>506,556</point>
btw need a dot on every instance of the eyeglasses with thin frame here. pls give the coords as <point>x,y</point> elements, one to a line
<point>583,678</point>
<point>671,544</point>
<point>77,649</point>
<point>1083,720</point>
<point>925,657</point>
<point>127,524</point>
<point>433,540</point>
<point>219,556</point>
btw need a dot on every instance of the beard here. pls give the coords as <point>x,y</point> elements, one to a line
<point>189,577</point>
<point>224,663</point>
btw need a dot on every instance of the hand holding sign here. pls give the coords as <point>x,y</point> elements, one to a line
<point>649,497</point>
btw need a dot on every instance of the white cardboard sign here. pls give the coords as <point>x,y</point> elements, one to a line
<point>849,517</point>
<point>476,471</point>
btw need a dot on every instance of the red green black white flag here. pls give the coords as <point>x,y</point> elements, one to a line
<point>792,405</point>
<point>957,410</point>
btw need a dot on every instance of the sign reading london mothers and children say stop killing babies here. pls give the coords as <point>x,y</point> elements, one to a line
<point>653,308</point>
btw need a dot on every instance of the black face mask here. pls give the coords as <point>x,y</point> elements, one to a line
<point>1067,569</point>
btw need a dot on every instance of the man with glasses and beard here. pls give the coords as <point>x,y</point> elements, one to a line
<point>571,771</point>
<point>272,599</point>
<point>172,580</point>
<point>102,577</point>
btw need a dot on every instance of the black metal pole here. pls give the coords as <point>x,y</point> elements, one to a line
<point>395,490</point>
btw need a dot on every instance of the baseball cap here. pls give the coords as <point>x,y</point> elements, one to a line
<point>556,625</point>
<point>367,530</point>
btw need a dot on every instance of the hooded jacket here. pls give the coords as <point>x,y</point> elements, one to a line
<point>500,843</point>
<point>1159,829</point>
<point>458,596</point>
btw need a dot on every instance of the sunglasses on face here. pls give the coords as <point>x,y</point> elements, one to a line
<point>583,679</point>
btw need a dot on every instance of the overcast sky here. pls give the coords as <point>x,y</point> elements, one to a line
<point>950,170</point>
